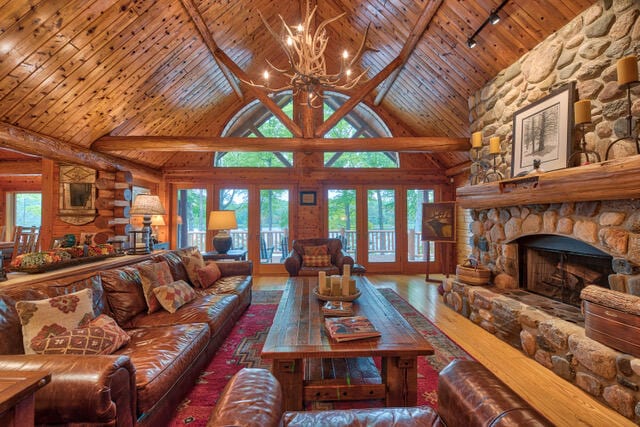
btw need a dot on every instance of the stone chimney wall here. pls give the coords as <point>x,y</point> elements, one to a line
<point>586,51</point>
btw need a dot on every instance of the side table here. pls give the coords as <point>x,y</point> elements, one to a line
<point>234,254</point>
<point>17,402</point>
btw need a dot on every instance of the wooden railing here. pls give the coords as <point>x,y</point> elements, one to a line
<point>381,242</point>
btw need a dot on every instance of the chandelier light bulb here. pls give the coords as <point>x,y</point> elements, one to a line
<point>348,72</point>
<point>345,54</point>
<point>265,75</point>
<point>300,28</point>
<point>289,41</point>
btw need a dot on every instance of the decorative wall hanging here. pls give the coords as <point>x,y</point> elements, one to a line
<point>77,194</point>
<point>543,131</point>
<point>439,222</point>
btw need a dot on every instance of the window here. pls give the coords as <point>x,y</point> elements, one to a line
<point>27,210</point>
<point>255,120</point>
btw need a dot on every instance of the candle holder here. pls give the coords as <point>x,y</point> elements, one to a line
<point>494,171</point>
<point>629,135</point>
<point>583,149</point>
<point>479,166</point>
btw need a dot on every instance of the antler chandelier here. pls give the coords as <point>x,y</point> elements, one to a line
<point>305,50</point>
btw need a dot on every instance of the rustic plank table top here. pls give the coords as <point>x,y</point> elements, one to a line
<point>298,334</point>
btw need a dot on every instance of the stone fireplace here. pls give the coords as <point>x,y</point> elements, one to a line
<point>544,239</point>
<point>559,267</point>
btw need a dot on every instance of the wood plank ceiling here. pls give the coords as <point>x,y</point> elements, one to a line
<point>77,70</point>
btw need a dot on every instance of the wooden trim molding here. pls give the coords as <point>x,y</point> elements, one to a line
<point>610,180</point>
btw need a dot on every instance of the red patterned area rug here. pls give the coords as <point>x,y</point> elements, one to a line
<point>243,345</point>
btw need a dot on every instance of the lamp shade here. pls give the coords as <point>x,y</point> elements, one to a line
<point>157,220</point>
<point>147,204</point>
<point>222,220</point>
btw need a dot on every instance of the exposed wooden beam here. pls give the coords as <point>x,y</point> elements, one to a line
<point>226,62</point>
<point>357,97</point>
<point>458,169</point>
<point>412,41</point>
<point>306,145</point>
<point>198,21</point>
<point>29,142</point>
<point>21,167</point>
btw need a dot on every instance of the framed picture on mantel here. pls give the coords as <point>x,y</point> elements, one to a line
<point>542,131</point>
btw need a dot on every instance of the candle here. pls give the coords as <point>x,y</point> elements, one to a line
<point>494,145</point>
<point>322,282</point>
<point>346,270</point>
<point>476,140</point>
<point>336,286</point>
<point>352,287</point>
<point>345,286</point>
<point>627,70</point>
<point>582,111</point>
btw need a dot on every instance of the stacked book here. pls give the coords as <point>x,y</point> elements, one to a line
<point>337,308</point>
<point>350,328</point>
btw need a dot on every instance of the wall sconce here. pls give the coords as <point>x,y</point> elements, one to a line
<point>627,69</point>
<point>492,19</point>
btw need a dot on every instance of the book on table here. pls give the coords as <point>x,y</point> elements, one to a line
<point>350,328</point>
<point>337,308</point>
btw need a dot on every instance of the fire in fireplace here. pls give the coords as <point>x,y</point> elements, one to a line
<point>559,267</point>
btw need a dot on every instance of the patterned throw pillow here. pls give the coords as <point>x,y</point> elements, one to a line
<point>174,295</point>
<point>316,260</point>
<point>153,275</point>
<point>192,262</point>
<point>53,316</point>
<point>209,274</point>
<point>102,335</point>
<point>316,250</point>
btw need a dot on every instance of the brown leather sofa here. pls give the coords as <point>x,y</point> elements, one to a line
<point>143,382</point>
<point>295,265</point>
<point>468,395</point>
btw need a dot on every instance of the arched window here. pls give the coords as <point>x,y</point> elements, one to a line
<point>255,120</point>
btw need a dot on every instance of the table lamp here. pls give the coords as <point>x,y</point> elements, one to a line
<point>147,205</point>
<point>222,221</point>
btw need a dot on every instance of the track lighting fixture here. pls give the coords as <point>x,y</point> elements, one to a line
<point>493,19</point>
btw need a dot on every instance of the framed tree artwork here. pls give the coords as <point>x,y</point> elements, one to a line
<point>542,131</point>
<point>439,222</point>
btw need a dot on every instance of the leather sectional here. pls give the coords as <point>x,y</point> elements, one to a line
<point>143,382</point>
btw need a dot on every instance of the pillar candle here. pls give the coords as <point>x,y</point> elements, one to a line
<point>476,140</point>
<point>627,70</point>
<point>322,282</point>
<point>346,270</point>
<point>345,286</point>
<point>352,287</point>
<point>582,111</point>
<point>336,286</point>
<point>494,145</point>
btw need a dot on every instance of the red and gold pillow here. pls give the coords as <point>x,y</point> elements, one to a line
<point>316,260</point>
<point>45,318</point>
<point>209,274</point>
<point>192,262</point>
<point>101,335</point>
<point>174,295</point>
<point>153,275</point>
<point>316,250</point>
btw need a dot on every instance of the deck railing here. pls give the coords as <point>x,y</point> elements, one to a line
<point>381,242</point>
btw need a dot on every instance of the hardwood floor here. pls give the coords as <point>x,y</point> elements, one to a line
<point>563,403</point>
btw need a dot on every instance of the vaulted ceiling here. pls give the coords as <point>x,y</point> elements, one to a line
<point>77,70</point>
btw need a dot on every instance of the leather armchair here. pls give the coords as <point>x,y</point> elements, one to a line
<point>294,262</point>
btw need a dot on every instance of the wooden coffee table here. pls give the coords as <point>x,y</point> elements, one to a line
<point>311,366</point>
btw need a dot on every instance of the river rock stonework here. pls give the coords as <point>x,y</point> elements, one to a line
<point>584,51</point>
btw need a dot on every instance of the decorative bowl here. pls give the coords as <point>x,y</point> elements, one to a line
<point>335,298</point>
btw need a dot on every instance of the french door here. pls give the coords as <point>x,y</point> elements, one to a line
<point>380,226</point>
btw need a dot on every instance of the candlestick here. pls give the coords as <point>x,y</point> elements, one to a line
<point>322,282</point>
<point>494,145</point>
<point>582,111</point>
<point>627,68</point>
<point>346,270</point>
<point>476,140</point>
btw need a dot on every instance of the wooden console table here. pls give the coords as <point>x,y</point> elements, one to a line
<point>17,401</point>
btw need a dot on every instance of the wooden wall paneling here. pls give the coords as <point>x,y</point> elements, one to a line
<point>49,189</point>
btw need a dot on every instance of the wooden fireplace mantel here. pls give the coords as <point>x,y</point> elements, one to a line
<point>610,180</point>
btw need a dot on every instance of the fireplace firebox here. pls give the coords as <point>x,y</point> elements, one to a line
<point>559,267</point>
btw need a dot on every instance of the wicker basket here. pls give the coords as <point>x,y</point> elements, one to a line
<point>478,275</point>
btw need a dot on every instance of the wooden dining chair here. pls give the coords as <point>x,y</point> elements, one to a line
<point>25,240</point>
